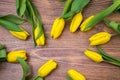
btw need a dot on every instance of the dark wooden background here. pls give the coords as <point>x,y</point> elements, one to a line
<point>67,51</point>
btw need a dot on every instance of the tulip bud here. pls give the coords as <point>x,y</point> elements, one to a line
<point>20,35</point>
<point>77,19</point>
<point>12,56</point>
<point>93,56</point>
<point>45,69</point>
<point>41,40</point>
<point>75,75</point>
<point>82,26</point>
<point>57,28</point>
<point>100,38</point>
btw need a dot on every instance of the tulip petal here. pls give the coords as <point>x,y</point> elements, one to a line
<point>45,69</point>
<point>77,19</point>
<point>99,38</point>
<point>76,75</point>
<point>93,56</point>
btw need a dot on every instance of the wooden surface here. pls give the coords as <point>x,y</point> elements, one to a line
<point>67,51</point>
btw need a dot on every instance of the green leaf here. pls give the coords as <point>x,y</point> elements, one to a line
<point>21,7</point>
<point>37,78</point>
<point>101,15</point>
<point>108,57</point>
<point>117,10</point>
<point>78,5</point>
<point>17,4</point>
<point>67,7</point>
<point>68,78</point>
<point>25,67</point>
<point>13,19</point>
<point>114,25</point>
<point>9,25</point>
<point>1,46</point>
<point>68,16</point>
<point>3,55</point>
<point>61,0</point>
<point>107,22</point>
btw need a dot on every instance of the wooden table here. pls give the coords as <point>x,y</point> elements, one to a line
<point>67,51</point>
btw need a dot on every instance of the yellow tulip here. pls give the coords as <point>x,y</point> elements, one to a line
<point>45,69</point>
<point>12,56</point>
<point>76,75</point>
<point>93,56</point>
<point>82,26</point>
<point>57,28</point>
<point>77,19</point>
<point>20,35</point>
<point>100,38</point>
<point>41,39</point>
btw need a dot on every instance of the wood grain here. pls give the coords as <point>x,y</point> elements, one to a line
<point>67,51</point>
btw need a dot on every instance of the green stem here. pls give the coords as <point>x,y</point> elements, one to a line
<point>35,77</point>
<point>112,63</point>
<point>108,57</point>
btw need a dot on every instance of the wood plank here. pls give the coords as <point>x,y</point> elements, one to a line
<point>67,51</point>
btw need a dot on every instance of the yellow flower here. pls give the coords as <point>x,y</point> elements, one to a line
<point>45,69</point>
<point>20,35</point>
<point>12,56</point>
<point>82,26</point>
<point>76,75</point>
<point>93,56</point>
<point>77,19</point>
<point>100,38</point>
<point>57,28</point>
<point>41,39</point>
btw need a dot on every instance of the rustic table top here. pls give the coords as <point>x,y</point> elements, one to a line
<point>67,51</point>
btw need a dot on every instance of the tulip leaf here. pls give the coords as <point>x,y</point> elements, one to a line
<point>68,15</point>
<point>1,46</point>
<point>68,78</point>
<point>21,7</point>
<point>25,67</point>
<point>13,19</point>
<point>101,15</point>
<point>9,25</point>
<point>108,57</point>
<point>37,78</point>
<point>67,7</point>
<point>78,5</point>
<point>61,0</point>
<point>3,55</point>
<point>114,25</point>
<point>118,8</point>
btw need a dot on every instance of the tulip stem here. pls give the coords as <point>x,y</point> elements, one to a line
<point>112,63</point>
<point>115,34</point>
<point>108,57</point>
<point>35,78</point>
